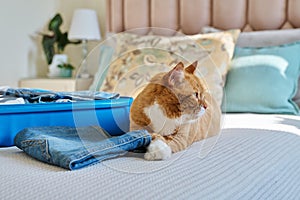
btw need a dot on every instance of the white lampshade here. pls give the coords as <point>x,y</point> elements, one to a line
<point>84,25</point>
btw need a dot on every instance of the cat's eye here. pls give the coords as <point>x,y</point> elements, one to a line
<point>196,95</point>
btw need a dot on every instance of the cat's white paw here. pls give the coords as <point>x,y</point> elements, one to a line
<point>158,150</point>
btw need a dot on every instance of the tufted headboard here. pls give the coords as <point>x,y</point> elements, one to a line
<point>189,16</point>
<point>169,17</point>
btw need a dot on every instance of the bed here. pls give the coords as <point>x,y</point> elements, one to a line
<point>256,155</point>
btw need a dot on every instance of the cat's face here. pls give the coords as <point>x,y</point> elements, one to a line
<point>188,90</point>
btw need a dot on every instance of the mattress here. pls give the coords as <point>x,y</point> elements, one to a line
<point>255,157</point>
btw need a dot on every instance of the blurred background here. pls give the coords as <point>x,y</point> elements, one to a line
<point>21,54</point>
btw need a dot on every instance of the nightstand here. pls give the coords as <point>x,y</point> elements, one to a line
<point>57,84</point>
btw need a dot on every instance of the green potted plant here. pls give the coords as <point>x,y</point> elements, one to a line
<point>56,41</point>
<point>66,69</point>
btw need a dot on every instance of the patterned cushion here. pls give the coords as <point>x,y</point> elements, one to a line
<point>138,58</point>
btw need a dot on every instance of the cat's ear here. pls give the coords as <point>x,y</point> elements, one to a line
<point>191,69</point>
<point>176,75</point>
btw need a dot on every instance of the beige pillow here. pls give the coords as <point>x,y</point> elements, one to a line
<point>138,58</point>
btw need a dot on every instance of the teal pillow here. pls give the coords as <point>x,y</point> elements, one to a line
<point>263,80</point>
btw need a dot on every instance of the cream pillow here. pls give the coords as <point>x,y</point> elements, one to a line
<point>138,58</point>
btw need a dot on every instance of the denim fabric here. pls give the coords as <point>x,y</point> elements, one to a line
<point>42,96</point>
<point>75,148</point>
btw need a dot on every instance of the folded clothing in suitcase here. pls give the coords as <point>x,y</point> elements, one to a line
<point>112,114</point>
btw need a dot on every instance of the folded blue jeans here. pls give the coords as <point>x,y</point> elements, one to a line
<point>75,148</point>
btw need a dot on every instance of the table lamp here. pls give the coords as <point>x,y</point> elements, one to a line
<point>84,27</point>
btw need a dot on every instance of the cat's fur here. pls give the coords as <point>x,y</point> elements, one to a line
<point>177,109</point>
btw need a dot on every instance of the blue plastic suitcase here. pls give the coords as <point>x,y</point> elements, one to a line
<point>112,115</point>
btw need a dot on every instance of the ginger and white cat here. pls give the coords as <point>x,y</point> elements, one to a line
<point>177,109</point>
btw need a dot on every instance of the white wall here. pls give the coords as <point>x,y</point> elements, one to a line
<point>21,54</point>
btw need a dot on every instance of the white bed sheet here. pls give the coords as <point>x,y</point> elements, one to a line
<point>254,157</point>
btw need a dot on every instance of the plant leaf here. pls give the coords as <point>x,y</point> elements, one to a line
<point>63,40</point>
<point>55,23</point>
<point>48,46</point>
<point>66,66</point>
<point>56,42</point>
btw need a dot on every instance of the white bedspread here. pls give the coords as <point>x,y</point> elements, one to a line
<point>255,157</point>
